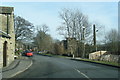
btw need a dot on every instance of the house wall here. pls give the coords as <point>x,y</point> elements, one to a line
<point>96,55</point>
<point>69,46</point>
<point>1,55</point>
<point>72,46</point>
<point>10,41</point>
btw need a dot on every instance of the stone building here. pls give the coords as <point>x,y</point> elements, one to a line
<point>70,46</point>
<point>96,55</point>
<point>7,36</point>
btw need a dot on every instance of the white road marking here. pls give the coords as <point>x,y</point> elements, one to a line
<point>83,74</point>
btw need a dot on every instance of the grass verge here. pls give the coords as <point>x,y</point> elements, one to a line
<point>103,62</point>
<point>88,60</point>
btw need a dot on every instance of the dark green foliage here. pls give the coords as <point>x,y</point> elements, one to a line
<point>23,29</point>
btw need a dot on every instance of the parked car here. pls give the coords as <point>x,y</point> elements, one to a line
<point>40,52</point>
<point>27,53</point>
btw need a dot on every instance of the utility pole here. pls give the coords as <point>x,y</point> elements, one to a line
<point>83,42</point>
<point>94,37</point>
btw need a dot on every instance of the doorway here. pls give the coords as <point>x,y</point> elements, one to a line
<point>4,53</point>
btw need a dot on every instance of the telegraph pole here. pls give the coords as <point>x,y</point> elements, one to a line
<point>83,42</point>
<point>94,37</point>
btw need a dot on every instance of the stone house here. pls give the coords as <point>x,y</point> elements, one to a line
<point>96,55</point>
<point>7,36</point>
<point>70,46</point>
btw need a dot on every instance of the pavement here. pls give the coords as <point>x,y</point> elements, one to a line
<point>16,67</point>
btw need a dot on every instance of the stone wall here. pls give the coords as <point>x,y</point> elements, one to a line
<point>7,29</point>
<point>104,56</point>
<point>110,58</point>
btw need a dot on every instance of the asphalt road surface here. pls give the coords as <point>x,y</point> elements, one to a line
<point>53,67</point>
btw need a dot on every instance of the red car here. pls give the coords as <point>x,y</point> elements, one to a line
<point>29,54</point>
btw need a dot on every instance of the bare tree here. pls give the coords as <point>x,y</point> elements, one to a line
<point>75,25</point>
<point>73,22</point>
<point>43,40</point>
<point>112,36</point>
<point>66,16</point>
<point>112,41</point>
<point>43,28</point>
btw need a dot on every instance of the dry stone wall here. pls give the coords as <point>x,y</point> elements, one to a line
<point>104,56</point>
<point>110,58</point>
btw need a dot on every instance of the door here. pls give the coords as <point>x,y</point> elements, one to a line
<point>5,54</point>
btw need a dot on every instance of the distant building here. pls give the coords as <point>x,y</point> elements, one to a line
<point>96,55</point>
<point>70,46</point>
<point>64,46</point>
<point>7,36</point>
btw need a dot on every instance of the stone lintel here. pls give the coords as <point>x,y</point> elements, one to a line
<point>6,10</point>
<point>2,34</point>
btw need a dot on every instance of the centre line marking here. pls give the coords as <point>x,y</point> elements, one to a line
<point>83,74</point>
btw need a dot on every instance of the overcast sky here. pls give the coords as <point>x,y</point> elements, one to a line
<point>104,13</point>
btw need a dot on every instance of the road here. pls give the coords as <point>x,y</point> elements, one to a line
<point>53,67</point>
